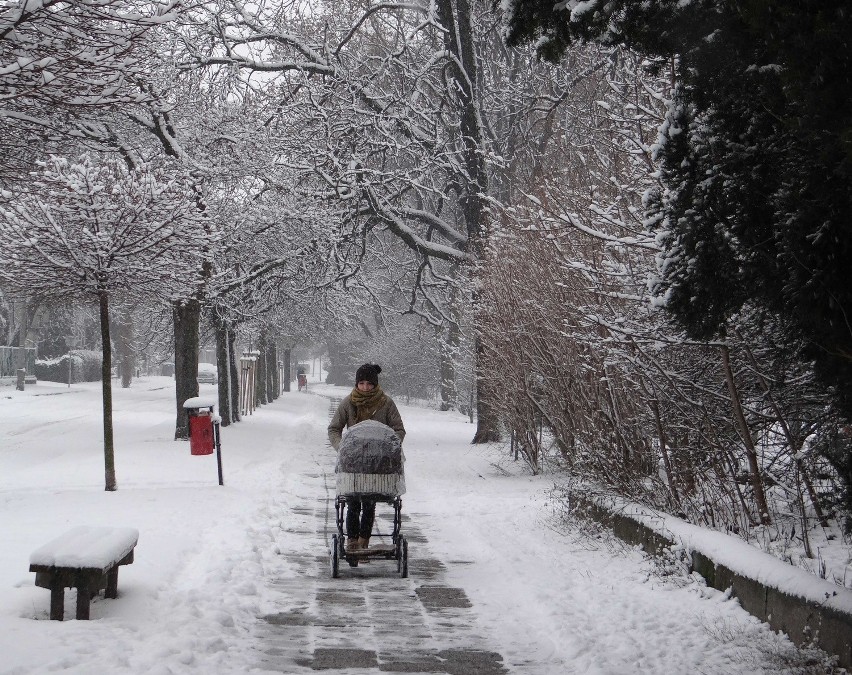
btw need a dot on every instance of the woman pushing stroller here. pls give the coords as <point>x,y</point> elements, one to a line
<point>366,402</point>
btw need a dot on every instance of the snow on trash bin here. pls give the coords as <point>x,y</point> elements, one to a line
<point>370,461</point>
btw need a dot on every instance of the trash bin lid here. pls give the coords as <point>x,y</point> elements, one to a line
<point>199,402</point>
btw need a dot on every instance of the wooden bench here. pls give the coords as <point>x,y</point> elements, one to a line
<point>85,558</point>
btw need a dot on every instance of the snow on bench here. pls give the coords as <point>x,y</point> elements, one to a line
<point>85,558</point>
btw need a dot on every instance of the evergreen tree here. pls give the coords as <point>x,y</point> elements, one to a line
<point>756,158</point>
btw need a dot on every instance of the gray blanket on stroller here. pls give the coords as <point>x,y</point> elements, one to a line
<point>370,461</point>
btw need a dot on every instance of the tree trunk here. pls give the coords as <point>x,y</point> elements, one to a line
<point>463,81</point>
<point>794,443</point>
<point>447,352</point>
<point>458,41</point>
<point>260,373</point>
<point>288,356</point>
<point>271,370</point>
<point>27,316</point>
<point>106,388</point>
<point>487,430</point>
<point>751,452</point>
<point>124,345</point>
<point>664,449</point>
<point>187,318</point>
<point>223,370</point>
<point>234,376</point>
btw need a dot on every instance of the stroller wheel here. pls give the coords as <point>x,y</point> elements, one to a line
<point>335,557</point>
<point>402,563</point>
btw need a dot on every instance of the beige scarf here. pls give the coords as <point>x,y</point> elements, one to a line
<point>367,402</point>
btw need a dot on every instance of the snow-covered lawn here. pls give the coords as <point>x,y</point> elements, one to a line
<point>547,599</point>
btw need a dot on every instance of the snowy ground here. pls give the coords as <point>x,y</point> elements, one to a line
<point>233,579</point>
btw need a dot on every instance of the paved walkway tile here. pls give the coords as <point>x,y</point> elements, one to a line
<point>369,620</point>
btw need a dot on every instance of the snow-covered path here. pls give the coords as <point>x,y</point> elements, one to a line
<point>235,579</point>
<point>369,618</point>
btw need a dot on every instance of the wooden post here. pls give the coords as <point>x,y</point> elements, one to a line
<point>243,384</point>
<point>57,599</point>
<point>112,583</point>
<point>248,364</point>
<point>83,598</point>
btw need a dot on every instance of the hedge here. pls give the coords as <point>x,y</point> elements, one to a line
<point>86,367</point>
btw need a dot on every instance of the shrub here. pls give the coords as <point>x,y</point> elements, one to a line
<point>86,367</point>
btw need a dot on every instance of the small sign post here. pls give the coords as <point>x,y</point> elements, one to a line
<point>70,342</point>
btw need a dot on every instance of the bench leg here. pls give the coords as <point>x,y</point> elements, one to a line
<point>84,597</point>
<point>57,601</point>
<point>112,583</point>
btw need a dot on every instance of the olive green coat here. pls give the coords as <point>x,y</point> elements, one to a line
<point>346,416</point>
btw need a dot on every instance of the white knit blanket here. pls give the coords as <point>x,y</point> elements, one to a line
<point>355,484</point>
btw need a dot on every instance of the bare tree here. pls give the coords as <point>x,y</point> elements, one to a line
<point>96,231</point>
<point>727,433</point>
<point>63,59</point>
<point>382,114</point>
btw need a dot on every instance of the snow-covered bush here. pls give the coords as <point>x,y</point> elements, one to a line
<point>581,364</point>
<point>86,367</point>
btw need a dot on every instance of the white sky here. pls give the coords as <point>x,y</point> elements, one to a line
<point>213,561</point>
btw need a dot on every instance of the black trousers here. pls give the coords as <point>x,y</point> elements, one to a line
<point>360,514</point>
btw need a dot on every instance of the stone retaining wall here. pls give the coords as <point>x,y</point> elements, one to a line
<point>803,621</point>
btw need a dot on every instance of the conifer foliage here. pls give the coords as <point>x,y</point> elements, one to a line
<point>755,202</point>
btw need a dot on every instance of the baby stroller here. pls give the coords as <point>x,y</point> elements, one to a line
<point>370,467</point>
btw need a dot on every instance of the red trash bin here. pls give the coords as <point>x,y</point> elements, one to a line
<point>201,433</point>
<point>203,429</point>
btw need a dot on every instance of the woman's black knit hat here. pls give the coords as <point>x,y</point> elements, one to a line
<point>369,372</point>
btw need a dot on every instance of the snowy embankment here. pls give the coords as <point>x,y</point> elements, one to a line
<point>744,559</point>
<point>791,600</point>
<point>547,600</point>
